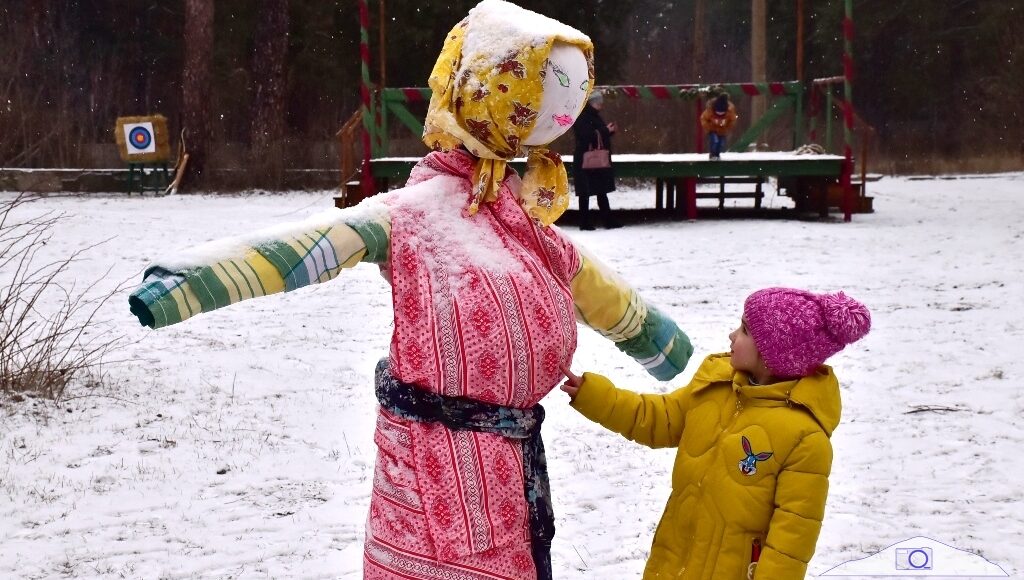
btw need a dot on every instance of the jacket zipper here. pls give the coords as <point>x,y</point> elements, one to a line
<point>755,555</point>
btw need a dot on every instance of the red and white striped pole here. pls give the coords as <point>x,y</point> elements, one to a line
<point>366,182</point>
<point>691,182</point>
<point>848,111</point>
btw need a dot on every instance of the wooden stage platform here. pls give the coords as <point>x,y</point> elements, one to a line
<point>812,181</point>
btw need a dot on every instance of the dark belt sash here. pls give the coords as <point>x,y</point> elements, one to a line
<point>412,403</point>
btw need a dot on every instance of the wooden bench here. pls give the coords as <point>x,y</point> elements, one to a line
<point>670,193</point>
<point>722,194</point>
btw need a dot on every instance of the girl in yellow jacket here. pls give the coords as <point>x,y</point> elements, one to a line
<point>752,428</point>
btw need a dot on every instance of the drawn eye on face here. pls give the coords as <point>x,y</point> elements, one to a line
<point>560,102</point>
<point>563,79</point>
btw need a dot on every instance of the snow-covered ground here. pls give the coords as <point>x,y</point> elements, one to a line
<point>239,444</point>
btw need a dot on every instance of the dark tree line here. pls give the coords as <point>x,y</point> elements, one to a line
<point>264,86</point>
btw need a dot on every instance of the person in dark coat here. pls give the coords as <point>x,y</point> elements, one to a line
<point>588,129</point>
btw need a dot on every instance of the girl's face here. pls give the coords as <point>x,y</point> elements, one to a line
<point>745,356</point>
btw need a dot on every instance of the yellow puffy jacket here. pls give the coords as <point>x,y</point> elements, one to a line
<point>752,466</point>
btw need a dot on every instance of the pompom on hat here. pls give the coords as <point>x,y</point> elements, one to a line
<point>796,331</point>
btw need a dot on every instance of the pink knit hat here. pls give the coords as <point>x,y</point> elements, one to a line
<point>796,331</point>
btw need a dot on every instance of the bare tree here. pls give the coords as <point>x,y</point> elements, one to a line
<point>197,87</point>
<point>49,332</point>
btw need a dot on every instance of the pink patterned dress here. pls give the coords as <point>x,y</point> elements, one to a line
<point>483,309</point>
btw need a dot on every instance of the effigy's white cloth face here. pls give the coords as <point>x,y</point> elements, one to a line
<point>566,86</point>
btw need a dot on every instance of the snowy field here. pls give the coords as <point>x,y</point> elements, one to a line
<point>239,444</point>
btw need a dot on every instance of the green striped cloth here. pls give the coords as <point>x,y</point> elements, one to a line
<point>295,255</point>
<point>278,260</point>
<point>609,305</point>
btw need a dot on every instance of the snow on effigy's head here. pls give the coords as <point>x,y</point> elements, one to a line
<point>497,28</point>
<point>448,239</point>
<point>233,247</point>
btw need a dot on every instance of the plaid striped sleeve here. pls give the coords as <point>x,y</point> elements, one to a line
<point>610,306</point>
<point>282,264</point>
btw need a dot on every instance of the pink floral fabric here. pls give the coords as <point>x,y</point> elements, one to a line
<point>449,504</point>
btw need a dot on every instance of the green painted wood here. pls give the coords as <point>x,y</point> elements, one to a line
<point>779,106</point>
<point>370,126</point>
<point>407,118</point>
<point>370,122</point>
<point>798,122</point>
<point>382,137</point>
<point>399,169</point>
<point>395,99</point>
<point>393,96</point>
<point>148,176</point>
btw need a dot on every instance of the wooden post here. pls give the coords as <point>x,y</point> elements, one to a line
<point>691,198</point>
<point>383,52</point>
<point>758,55</point>
<point>800,40</point>
<point>699,43</point>
<point>698,145</point>
<point>828,117</point>
<point>848,111</point>
<point>366,182</point>
<point>699,69</point>
<point>691,182</point>
<point>798,138</point>
<point>381,113</point>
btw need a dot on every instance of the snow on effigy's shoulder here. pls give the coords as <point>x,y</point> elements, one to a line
<point>500,29</point>
<point>233,247</point>
<point>371,209</point>
<point>449,239</point>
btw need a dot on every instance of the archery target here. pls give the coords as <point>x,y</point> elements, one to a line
<point>139,138</point>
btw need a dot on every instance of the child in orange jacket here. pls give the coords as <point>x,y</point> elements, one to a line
<point>753,429</point>
<point>717,120</point>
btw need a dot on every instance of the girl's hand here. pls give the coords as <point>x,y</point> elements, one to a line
<point>572,383</point>
<point>611,127</point>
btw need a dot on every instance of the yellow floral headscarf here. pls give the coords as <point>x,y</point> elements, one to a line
<point>488,85</point>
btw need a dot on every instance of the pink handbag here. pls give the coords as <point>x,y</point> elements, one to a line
<point>599,158</point>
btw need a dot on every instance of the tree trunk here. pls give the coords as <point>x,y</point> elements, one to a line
<point>196,89</point>
<point>269,57</point>
<point>700,27</point>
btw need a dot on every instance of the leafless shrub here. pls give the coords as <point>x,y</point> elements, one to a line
<point>49,331</point>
